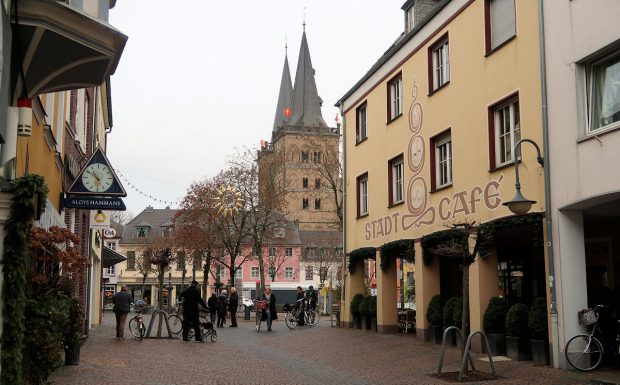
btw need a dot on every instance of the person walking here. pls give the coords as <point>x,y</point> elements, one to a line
<point>191,299</point>
<point>301,297</point>
<point>233,304</point>
<point>312,298</point>
<point>271,312</point>
<point>212,303</point>
<point>221,308</point>
<point>122,305</point>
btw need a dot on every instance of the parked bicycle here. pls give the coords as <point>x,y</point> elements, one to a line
<point>206,329</point>
<point>261,308</point>
<point>300,309</point>
<point>585,351</point>
<point>136,324</point>
<point>175,320</point>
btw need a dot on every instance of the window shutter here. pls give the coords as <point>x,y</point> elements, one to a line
<point>503,22</point>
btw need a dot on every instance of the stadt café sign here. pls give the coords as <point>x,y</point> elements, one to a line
<point>462,203</point>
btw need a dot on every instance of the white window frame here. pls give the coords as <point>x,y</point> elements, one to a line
<point>363,195</point>
<point>443,160</point>
<point>506,114</point>
<point>255,272</point>
<point>398,176</point>
<point>362,123</point>
<point>110,245</point>
<point>272,251</point>
<point>288,252</point>
<point>613,89</point>
<point>110,271</point>
<point>396,97</point>
<point>441,64</point>
<point>289,273</point>
<point>239,273</point>
<point>309,273</point>
<point>221,272</point>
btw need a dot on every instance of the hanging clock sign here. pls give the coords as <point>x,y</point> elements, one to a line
<point>97,178</point>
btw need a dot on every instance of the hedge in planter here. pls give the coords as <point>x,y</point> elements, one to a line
<point>365,311</point>
<point>518,346</point>
<point>453,316</point>
<point>396,249</point>
<point>355,307</point>
<point>538,331</point>
<point>434,315</point>
<point>494,324</point>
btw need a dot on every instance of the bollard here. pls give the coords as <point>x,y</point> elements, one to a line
<point>246,311</point>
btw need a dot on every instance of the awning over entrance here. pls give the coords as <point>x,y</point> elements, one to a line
<point>111,257</point>
<point>63,48</point>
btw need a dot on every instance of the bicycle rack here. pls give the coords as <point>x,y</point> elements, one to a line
<point>466,353</point>
<point>467,350</point>
<point>443,346</point>
<point>161,313</point>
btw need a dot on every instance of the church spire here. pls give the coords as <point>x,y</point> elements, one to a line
<point>306,100</point>
<point>285,98</point>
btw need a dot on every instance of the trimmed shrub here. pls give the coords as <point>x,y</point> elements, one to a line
<point>494,320</point>
<point>434,313</point>
<point>372,306</point>
<point>538,319</point>
<point>457,314</point>
<point>364,311</point>
<point>449,311</point>
<point>355,303</point>
<point>517,320</point>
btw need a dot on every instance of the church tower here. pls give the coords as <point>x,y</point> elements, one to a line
<point>306,148</point>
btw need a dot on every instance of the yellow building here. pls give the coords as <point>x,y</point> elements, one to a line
<point>429,134</point>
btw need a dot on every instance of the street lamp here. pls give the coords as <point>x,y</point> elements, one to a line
<point>520,204</point>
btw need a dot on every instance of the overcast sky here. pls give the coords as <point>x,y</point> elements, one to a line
<point>198,78</point>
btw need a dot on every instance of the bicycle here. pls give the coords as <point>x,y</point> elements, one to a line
<point>207,331</point>
<point>261,307</point>
<point>175,320</point>
<point>584,351</point>
<point>136,324</point>
<point>300,309</point>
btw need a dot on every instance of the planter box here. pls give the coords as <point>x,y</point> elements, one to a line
<point>540,352</point>
<point>367,324</point>
<point>518,348</point>
<point>437,334</point>
<point>451,337</point>
<point>72,354</point>
<point>497,344</point>
<point>373,324</point>
<point>358,321</point>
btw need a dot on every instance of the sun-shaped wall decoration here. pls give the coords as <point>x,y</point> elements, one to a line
<point>229,201</point>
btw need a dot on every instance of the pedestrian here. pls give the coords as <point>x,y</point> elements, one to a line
<point>312,298</point>
<point>191,298</point>
<point>212,303</point>
<point>301,298</point>
<point>221,308</point>
<point>233,304</point>
<point>270,312</point>
<point>122,305</point>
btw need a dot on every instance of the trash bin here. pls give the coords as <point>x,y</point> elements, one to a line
<point>246,312</point>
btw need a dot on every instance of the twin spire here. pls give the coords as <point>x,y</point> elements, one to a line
<point>299,105</point>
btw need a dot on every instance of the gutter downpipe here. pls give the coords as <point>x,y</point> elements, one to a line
<point>344,210</point>
<point>553,312</point>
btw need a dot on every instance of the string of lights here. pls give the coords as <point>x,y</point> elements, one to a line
<point>136,189</point>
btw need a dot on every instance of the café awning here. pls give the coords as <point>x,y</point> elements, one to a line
<point>111,257</point>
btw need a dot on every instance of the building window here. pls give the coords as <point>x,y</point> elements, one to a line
<point>110,245</point>
<point>142,232</point>
<point>396,171</point>
<point>131,260</point>
<point>500,21</point>
<point>288,273</point>
<point>311,253</point>
<point>395,97</point>
<point>304,156</point>
<point>362,195</point>
<point>221,272</point>
<point>181,262</point>
<point>504,126</point>
<point>272,251</point>
<point>304,203</point>
<point>304,182</point>
<point>441,161</point>
<point>603,79</point>
<point>409,19</point>
<point>317,157</point>
<point>361,130</point>
<point>439,64</point>
<point>288,252</point>
<point>239,273</point>
<point>110,270</point>
<point>309,273</point>
<point>197,263</point>
<point>317,183</point>
<point>317,203</point>
<point>255,272</point>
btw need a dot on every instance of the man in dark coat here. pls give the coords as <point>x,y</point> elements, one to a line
<point>233,304</point>
<point>312,298</point>
<point>122,305</point>
<point>222,306</point>
<point>212,303</point>
<point>191,298</point>
<point>301,295</point>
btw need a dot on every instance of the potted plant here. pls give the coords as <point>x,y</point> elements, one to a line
<point>517,339</point>
<point>73,333</point>
<point>434,316</point>
<point>538,331</point>
<point>452,306</point>
<point>355,310</point>
<point>365,312</point>
<point>372,309</point>
<point>494,324</point>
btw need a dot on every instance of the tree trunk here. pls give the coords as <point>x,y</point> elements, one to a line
<point>160,299</point>
<point>143,284</point>
<point>261,266</point>
<point>205,282</point>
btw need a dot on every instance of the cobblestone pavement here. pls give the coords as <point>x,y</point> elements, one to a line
<point>319,355</point>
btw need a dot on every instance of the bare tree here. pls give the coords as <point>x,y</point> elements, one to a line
<point>122,217</point>
<point>143,265</point>
<point>330,167</point>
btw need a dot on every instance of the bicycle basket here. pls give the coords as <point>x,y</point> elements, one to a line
<point>587,317</point>
<point>139,306</point>
<point>262,305</point>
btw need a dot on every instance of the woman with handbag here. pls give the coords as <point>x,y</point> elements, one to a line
<point>270,312</point>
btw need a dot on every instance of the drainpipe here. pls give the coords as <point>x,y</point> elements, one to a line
<point>344,208</point>
<point>555,353</point>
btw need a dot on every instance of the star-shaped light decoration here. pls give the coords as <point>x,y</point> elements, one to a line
<point>229,201</point>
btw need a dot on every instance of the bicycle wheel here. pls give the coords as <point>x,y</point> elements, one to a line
<point>259,317</point>
<point>176,324</point>
<point>141,330</point>
<point>213,336</point>
<point>134,326</point>
<point>311,317</point>
<point>584,352</point>
<point>290,320</point>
